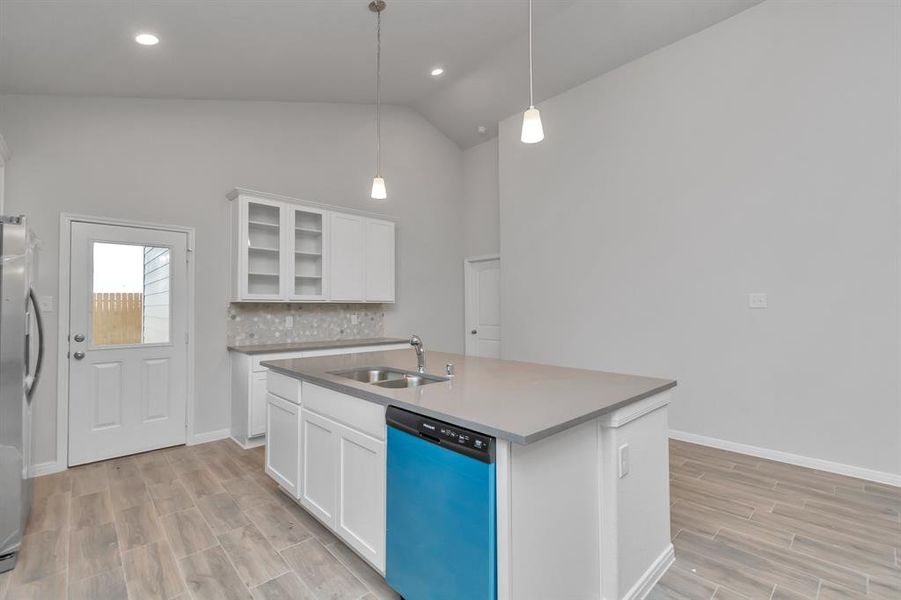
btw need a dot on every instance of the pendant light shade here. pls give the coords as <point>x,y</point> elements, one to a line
<point>379,191</point>
<point>532,131</point>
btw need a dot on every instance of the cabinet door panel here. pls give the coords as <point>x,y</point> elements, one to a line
<point>346,258</point>
<point>308,256</point>
<point>361,485</point>
<point>257,417</point>
<point>283,443</point>
<point>320,466</point>
<point>379,261</point>
<point>261,263</point>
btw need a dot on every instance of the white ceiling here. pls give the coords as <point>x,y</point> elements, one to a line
<point>324,50</point>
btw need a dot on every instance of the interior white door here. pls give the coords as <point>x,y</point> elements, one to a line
<point>483,307</point>
<point>127,341</point>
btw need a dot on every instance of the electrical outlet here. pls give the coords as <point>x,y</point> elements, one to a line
<point>45,303</point>
<point>623,460</point>
<point>758,300</point>
<point>289,321</point>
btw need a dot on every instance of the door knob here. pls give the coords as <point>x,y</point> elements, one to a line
<point>474,331</point>
<point>79,337</point>
<point>78,355</point>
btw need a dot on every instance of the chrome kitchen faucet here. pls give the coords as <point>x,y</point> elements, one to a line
<point>416,342</point>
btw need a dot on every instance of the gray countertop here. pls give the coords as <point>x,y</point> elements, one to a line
<point>318,345</point>
<point>516,401</point>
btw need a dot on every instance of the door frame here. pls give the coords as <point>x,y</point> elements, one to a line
<point>4,158</point>
<point>62,371</point>
<point>468,262</point>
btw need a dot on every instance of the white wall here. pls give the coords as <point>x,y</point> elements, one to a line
<point>760,155</point>
<point>173,161</point>
<point>481,228</point>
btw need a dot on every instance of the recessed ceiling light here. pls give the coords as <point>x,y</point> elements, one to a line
<point>437,72</point>
<point>147,39</point>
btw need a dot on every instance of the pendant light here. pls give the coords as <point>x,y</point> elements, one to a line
<point>532,132</point>
<point>379,192</point>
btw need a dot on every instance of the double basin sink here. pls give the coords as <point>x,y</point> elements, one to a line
<point>389,378</point>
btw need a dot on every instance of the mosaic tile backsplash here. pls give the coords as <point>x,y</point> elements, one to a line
<point>261,323</point>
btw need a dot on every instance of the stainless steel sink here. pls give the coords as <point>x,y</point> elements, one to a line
<point>389,378</point>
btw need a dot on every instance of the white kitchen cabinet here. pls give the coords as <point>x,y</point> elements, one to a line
<point>286,251</point>
<point>248,388</point>
<point>319,452</point>
<point>257,418</point>
<point>283,447</point>
<point>258,255</point>
<point>361,494</point>
<point>347,257</point>
<point>379,256</point>
<point>308,243</point>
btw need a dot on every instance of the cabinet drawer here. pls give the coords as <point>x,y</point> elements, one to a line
<point>362,415</point>
<point>283,386</point>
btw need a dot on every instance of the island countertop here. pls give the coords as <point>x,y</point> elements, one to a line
<point>517,401</point>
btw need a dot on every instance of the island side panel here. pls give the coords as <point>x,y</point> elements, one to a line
<point>553,548</point>
<point>635,518</point>
<point>569,526</point>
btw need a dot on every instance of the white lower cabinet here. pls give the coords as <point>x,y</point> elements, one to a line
<point>257,418</point>
<point>361,494</point>
<point>335,465</point>
<point>283,444</point>
<point>319,491</point>
<point>248,389</point>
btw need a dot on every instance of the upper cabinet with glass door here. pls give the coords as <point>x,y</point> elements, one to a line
<point>261,226</point>
<point>284,251</point>
<point>309,254</point>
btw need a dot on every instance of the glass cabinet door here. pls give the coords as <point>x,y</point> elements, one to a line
<point>264,263</point>
<point>307,254</point>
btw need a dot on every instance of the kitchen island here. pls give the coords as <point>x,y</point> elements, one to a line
<point>582,495</point>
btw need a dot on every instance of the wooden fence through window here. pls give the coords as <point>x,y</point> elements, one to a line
<point>117,318</point>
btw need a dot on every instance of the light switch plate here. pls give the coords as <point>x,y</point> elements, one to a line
<point>623,460</point>
<point>45,304</point>
<point>758,300</point>
<point>289,321</point>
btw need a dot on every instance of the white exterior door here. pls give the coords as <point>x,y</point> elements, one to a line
<point>483,307</point>
<point>127,340</point>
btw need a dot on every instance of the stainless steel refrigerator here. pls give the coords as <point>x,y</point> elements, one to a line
<point>21,354</point>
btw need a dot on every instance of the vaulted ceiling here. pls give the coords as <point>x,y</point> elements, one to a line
<point>324,50</point>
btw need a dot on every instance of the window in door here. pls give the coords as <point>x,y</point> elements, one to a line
<point>131,303</point>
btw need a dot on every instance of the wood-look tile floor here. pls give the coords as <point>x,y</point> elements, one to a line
<point>201,522</point>
<point>204,522</point>
<point>744,527</point>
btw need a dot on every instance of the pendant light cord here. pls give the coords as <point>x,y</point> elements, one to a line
<point>378,95</point>
<point>531,95</point>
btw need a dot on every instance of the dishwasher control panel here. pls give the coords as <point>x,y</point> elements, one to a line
<point>452,437</point>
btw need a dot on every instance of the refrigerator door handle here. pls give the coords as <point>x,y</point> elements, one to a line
<point>31,379</point>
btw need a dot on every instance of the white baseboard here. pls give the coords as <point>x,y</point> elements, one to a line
<point>792,459</point>
<point>649,579</point>
<point>46,468</point>
<point>209,436</point>
<point>251,443</point>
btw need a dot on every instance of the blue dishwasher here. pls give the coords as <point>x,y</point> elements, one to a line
<point>441,510</point>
